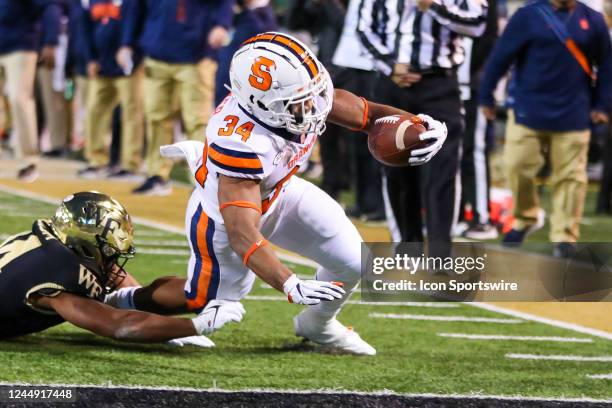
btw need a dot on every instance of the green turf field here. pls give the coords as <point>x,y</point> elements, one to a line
<point>262,351</point>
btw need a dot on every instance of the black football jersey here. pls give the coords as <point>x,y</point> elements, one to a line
<point>36,262</point>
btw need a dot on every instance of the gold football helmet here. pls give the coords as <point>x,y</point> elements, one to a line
<point>99,229</point>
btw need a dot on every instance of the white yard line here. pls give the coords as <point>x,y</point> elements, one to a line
<point>152,234</point>
<point>473,396</point>
<point>517,338</point>
<point>603,359</point>
<point>444,318</point>
<point>31,215</point>
<point>162,243</point>
<point>162,251</point>
<point>357,302</point>
<point>600,376</point>
<point>551,322</point>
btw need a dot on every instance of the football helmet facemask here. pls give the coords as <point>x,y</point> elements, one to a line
<point>99,229</point>
<point>278,80</point>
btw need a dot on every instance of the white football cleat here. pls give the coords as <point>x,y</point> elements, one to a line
<point>331,333</point>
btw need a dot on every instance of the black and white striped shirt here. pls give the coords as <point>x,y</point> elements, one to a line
<point>395,31</point>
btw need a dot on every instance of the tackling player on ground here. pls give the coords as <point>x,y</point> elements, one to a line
<point>62,269</point>
<point>247,194</point>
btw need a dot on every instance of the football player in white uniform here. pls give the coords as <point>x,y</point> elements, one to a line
<point>248,194</point>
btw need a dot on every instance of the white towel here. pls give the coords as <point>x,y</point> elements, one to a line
<point>189,150</point>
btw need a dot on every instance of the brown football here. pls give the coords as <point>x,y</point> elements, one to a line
<point>392,138</point>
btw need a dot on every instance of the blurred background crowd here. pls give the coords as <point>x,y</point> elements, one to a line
<point>524,89</point>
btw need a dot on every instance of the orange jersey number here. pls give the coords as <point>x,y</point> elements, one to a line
<point>243,130</point>
<point>260,77</point>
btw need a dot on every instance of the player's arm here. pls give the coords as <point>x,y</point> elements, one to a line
<point>242,225</point>
<point>353,112</point>
<point>240,206</point>
<point>135,326</point>
<point>106,321</point>
<point>357,113</point>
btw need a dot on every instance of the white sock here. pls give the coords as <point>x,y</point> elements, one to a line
<point>122,298</point>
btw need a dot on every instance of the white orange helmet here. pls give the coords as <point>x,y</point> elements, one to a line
<point>279,80</point>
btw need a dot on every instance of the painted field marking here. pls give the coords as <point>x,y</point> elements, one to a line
<point>473,396</point>
<point>603,359</point>
<point>22,214</point>
<point>444,318</point>
<point>161,243</point>
<point>600,376</point>
<point>357,302</point>
<point>550,322</point>
<point>162,251</point>
<point>517,338</point>
<point>152,234</point>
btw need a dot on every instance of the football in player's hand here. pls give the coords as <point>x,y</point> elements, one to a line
<point>393,138</point>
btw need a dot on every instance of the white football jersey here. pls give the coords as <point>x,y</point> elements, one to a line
<point>239,145</point>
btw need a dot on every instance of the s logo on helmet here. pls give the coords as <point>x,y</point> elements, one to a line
<point>260,77</point>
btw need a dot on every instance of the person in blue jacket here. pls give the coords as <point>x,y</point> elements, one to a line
<point>21,38</point>
<point>179,39</point>
<point>556,47</point>
<point>250,18</point>
<point>111,85</point>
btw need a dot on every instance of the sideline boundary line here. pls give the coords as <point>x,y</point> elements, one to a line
<point>497,309</point>
<point>111,386</point>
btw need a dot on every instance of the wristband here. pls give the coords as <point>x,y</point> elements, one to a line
<point>252,249</point>
<point>366,111</point>
<point>242,204</point>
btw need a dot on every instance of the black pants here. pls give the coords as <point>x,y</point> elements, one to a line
<point>364,170</point>
<point>604,199</point>
<point>433,185</point>
<point>475,178</point>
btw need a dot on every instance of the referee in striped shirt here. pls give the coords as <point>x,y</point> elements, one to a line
<point>417,46</point>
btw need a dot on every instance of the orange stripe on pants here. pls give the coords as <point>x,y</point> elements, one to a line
<point>205,275</point>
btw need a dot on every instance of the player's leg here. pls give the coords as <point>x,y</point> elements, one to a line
<point>215,271</point>
<point>312,224</point>
<point>164,296</point>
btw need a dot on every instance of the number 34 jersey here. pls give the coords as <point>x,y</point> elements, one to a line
<point>239,145</point>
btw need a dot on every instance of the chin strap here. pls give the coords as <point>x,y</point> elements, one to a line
<point>241,204</point>
<point>252,249</point>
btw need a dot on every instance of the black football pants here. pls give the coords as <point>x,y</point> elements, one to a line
<point>432,187</point>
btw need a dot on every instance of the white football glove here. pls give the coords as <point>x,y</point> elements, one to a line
<point>436,134</point>
<point>216,314</point>
<point>197,341</point>
<point>311,292</point>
